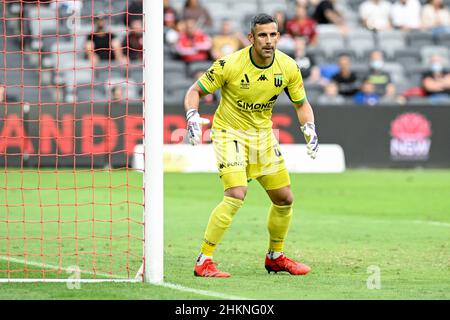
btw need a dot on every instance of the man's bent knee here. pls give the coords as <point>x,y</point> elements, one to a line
<point>284,201</point>
<point>281,197</point>
<point>236,192</point>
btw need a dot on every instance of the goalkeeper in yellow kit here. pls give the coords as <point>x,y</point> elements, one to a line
<point>250,81</point>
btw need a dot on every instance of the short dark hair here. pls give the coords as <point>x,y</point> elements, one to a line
<point>261,18</point>
<point>344,55</point>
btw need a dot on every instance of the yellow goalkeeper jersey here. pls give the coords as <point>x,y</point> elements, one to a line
<point>248,91</point>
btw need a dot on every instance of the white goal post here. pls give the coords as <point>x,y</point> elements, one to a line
<point>153,143</point>
<point>94,246</point>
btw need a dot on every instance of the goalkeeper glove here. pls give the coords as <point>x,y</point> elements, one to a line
<point>194,126</point>
<point>312,141</point>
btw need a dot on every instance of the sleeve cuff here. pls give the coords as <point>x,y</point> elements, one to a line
<point>201,86</point>
<point>299,101</point>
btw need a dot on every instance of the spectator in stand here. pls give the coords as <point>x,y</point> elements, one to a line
<point>346,80</point>
<point>305,61</point>
<point>326,13</point>
<point>193,44</point>
<point>375,14</point>
<point>227,41</point>
<point>117,92</point>
<point>436,17</point>
<point>194,10</point>
<point>2,93</point>
<point>133,42</point>
<point>366,95</point>
<point>302,26</point>
<point>133,12</point>
<point>103,45</point>
<point>310,5</point>
<point>436,81</point>
<point>380,78</point>
<point>4,97</point>
<point>405,15</point>
<point>280,17</point>
<point>331,95</point>
<point>170,24</point>
<point>285,42</point>
<point>171,36</point>
<point>67,7</point>
<point>170,15</point>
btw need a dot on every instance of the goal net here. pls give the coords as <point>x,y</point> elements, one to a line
<point>71,118</point>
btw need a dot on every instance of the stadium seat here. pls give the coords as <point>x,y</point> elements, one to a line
<point>418,101</point>
<point>427,51</point>
<point>241,8</point>
<point>327,29</point>
<point>90,93</point>
<point>390,41</point>
<point>365,55</point>
<point>177,96</point>
<point>82,75</point>
<point>193,67</point>
<point>99,7</point>
<point>361,40</point>
<point>414,74</point>
<point>171,65</point>
<point>330,41</point>
<point>350,16</point>
<point>347,51</point>
<point>270,7</point>
<point>407,57</point>
<point>129,91</point>
<point>135,75</point>
<point>418,39</point>
<point>354,4</point>
<point>313,91</point>
<point>47,24</point>
<point>215,6</point>
<point>118,9</point>
<point>175,80</point>
<point>62,53</point>
<point>443,39</point>
<point>104,72</point>
<point>318,54</point>
<point>360,69</point>
<point>396,71</point>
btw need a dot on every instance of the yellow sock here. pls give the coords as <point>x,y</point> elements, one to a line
<point>278,223</point>
<point>218,223</point>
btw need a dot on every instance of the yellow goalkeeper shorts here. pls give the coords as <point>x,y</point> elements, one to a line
<point>245,155</point>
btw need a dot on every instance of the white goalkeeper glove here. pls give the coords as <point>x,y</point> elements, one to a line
<point>312,141</point>
<point>194,126</point>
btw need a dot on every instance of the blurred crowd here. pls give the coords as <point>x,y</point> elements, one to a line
<point>365,52</point>
<point>357,74</point>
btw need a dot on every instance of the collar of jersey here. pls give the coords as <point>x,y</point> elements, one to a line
<point>253,62</point>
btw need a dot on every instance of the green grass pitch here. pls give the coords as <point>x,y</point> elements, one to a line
<point>396,220</point>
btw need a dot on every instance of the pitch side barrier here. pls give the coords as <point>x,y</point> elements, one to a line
<point>379,136</point>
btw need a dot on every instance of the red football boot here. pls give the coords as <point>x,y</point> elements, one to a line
<point>283,263</point>
<point>208,269</point>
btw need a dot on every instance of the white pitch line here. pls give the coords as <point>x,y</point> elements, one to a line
<point>201,292</point>
<point>28,280</point>
<point>49,266</point>
<point>117,279</point>
<point>434,223</point>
